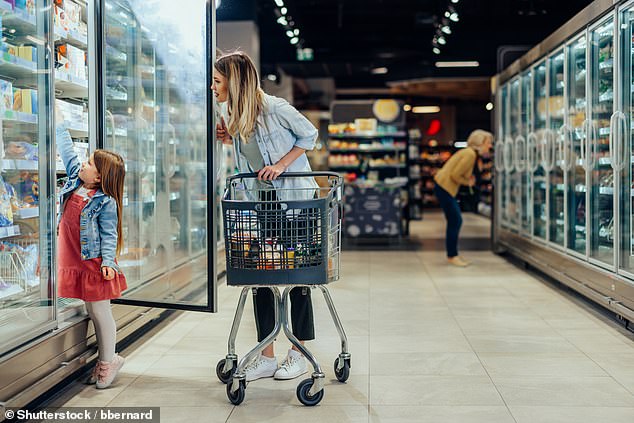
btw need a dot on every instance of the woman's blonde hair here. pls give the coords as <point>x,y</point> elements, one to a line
<point>245,98</point>
<point>478,138</point>
<point>112,172</point>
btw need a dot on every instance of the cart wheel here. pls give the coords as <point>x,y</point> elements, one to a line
<point>225,377</point>
<point>236,397</point>
<point>303,396</point>
<point>344,373</point>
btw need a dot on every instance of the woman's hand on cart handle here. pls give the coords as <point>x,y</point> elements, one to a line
<point>270,173</point>
<point>221,132</point>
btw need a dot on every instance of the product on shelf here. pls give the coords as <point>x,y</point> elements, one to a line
<point>25,100</point>
<point>20,150</point>
<point>6,95</point>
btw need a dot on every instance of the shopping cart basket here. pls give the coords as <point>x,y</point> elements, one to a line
<point>282,237</point>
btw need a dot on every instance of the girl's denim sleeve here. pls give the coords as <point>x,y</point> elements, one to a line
<point>108,221</point>
<point>66,151</point>
<point>304,131</point>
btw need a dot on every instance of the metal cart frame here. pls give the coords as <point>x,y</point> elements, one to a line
<point>320,221</point>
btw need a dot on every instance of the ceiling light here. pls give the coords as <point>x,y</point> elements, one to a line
<point>489,106</point>
<point>296,31</point>
<point>283,10</point>
<point>441,40</point>
<point>280,3</point>
<point>436,50</point>
<point>447,14</point>
<point>271,77</point>
<point>379,71</point>
<point>407,107</point>
<point>282,21</point>
<point>446,29</point>
<point>294,40</point>
<point>455,1</point>
<point>460,144</point>
<point>290,33</point>
<point>426,109</point>
<point>458,64</point>
<point>454,17</point>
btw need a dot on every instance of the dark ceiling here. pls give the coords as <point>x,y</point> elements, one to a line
<point>350,37</point>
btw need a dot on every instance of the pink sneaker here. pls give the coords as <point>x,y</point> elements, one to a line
<point>108,371</point>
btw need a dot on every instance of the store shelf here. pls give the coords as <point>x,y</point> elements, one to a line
<point>19,117</point>
<point>9,231</point>
<point>367,150</point>
<point>369,135</point>
<point>113,53</point>
<point>17,19</point>
<point>27,213</point>
<point>17,164</point>
<point>17,68</point>
<point>71,86</point>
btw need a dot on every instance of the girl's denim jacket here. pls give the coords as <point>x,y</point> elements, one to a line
<point>98,221</point>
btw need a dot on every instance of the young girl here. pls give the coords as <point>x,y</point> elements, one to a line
<point>270,137</point>
<point>90,237</point>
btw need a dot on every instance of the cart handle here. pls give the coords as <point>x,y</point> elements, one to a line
<point>286,175</point>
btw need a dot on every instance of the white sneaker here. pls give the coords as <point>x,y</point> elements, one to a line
<point>294,365</point>
<point>260,367</point>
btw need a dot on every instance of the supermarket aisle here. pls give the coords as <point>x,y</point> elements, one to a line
<point>429,343</point>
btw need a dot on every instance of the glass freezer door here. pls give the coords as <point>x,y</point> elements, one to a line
<point>514,186</point>
<point>158,114</point>
<point>540,113</point>
<point>27,193</point>
<point>523,158</point>
<point>601,68</point>
<point>556,110</point>
<point>626,141</point>
<point>577,124</point>
<point>502,152</point>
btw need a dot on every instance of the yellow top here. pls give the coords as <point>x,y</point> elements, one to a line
<point>456,171</point>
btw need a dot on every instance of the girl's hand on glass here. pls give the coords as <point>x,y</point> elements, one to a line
<point>270,173</point>
<point>221,132</point>
<point>108,273</point>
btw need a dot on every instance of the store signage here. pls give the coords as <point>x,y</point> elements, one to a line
<point>305,54</point>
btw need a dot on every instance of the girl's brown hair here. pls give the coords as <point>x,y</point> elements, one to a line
<point>245,97</point>
<point>112,171</point>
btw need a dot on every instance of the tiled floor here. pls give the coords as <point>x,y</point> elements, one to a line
<point>429,343</point>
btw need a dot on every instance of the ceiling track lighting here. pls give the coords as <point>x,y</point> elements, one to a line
<point>284,19</point>
<point>443,28</point>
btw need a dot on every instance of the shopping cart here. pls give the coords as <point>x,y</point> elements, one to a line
<point>282,237</point>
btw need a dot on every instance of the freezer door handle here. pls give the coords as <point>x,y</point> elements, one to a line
<point>531,144</point>
<point>520,143</point>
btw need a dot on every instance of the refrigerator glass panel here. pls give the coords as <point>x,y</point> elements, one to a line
<point>156,118</point>
<point>602,175</point>
<point>523,153</point>
<point>556,110</point>
<point>503,175</point>
<point>577,135</point>
<point>540,110</point>
<point>514,186</point>
<point>27,198</point>
<point>627,186</point>
<point>71,95</point>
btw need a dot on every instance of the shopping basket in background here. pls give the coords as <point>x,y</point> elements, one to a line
<point>282,237</point>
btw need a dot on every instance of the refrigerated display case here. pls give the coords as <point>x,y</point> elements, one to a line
<point>577,133</point>
<point>27,303</point>
<point>125,75</point>
<point>540,166</point>
<point>579,156</point>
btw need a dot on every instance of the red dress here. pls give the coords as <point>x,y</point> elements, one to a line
<point>77,278</point>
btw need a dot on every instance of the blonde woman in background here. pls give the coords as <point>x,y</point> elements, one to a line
<point>456,172</point>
